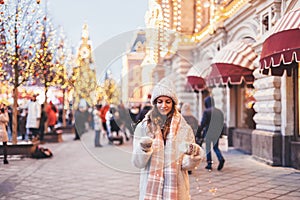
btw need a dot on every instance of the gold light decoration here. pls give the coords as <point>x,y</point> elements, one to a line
<point>85,83</point>
<point>219,12</point>
<point>178,27</point>
<point>108,92</point>
<point>198,16</point>
<point>154,32</point>
<point>18,31</point>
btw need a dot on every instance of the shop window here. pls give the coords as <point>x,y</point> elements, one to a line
<point>297,100</point>
<point>249,110</point>
<point>265,22</point>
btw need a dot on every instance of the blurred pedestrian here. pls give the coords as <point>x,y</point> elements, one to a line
<point>80,120</point>
<point>144,110</point>
<point>205,93</point>
<point>97,125</point>
<point>133,112</point>
<point>51,111</point>
<point>9,125</point>
<point>33,117</point>
<point>60,115</point>
<point>42,123</point>
<point>4,119</point>
<point>164,148</point>
<point>212,123</point>
<point>70,116</point>
<point>112,116</point>
<point>123,118</point>
<point>22,123</point>
<point>103,112</point>
<point>189,117</point>
<point>90,116</point>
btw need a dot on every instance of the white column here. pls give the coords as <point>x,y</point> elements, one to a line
<point>268,102</point>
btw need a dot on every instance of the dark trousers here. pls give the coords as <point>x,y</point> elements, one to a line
<point>97,137</point>
<point>77,136</point>
<point>79,129</point>
<point>216,149</point>
<point>5,150</point>
<point>51,127</point>
<point>42,132</point>
<point>105,129</point>
<point>33,132</point>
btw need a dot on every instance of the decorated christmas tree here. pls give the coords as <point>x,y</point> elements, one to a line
<point>108,91</point>
<point>84,75</point>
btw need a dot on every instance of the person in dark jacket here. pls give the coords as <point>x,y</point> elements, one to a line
<point>123,121</point>
<point>43,120</point>
<point>212,123</point>
<point>22,123</point>
<point>189,117</point>
<point>144,111</point>
<point>80,120</point>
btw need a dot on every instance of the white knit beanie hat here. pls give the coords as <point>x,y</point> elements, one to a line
<point>164,88</point>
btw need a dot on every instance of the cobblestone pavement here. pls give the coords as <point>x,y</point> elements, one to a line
<point>78,170</point>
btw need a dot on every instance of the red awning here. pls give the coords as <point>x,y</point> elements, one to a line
<point>233,64</point>
<point>197,74</point>
<point>223,73</point>
<point>282,47</point>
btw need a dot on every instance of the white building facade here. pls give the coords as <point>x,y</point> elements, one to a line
<point>261,111</point>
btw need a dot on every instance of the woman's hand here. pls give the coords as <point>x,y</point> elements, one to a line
<point>146,143</point>
<point>191,149</point>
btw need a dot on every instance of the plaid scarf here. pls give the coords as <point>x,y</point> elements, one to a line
<point>162,180</point>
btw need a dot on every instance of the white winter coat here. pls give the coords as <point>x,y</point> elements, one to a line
<point>34,115</point>
<point>97,121</point>
<point>141,159</point>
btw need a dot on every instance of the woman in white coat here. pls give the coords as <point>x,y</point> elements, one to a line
<point>164,148</point>
<point>3,130</point>
<point>33,117</point>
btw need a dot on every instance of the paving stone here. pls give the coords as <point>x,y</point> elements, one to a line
<point>80,171</point>
<point>267,195</point>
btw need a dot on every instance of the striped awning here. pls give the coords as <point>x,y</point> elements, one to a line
<point>197,74</point>
<point>281,50</point>
<point>233,64</point>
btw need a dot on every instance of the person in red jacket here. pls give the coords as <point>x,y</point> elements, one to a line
<point>103,112</point>
<point>51,111</point>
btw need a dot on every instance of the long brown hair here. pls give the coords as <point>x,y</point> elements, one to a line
<point>162,121</point>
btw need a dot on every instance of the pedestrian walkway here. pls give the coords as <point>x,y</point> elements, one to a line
<point>78,170</point>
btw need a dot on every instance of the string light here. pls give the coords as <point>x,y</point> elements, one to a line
<point>220,12</point>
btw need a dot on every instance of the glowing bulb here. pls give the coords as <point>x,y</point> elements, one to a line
<point>206,4</point>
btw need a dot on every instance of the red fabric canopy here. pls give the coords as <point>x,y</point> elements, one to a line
<point>223,73</point>
<point>196,82</point>
<point>197,74</point>
<point>233,64</point>
<point>282,47</point>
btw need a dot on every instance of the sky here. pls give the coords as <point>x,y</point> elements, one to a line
<point>107,19</point>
